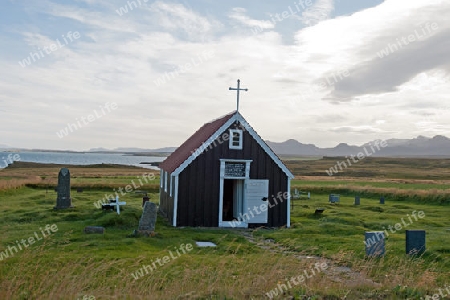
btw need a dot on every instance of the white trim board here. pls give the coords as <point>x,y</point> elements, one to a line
<point>247,162</point>
<point>288,224</point>
<point>175,203</point>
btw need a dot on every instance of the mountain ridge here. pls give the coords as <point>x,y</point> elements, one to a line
<point>438,145</point>
<point>420,146</point>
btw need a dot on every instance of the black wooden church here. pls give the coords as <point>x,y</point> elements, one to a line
<point>225,175</point>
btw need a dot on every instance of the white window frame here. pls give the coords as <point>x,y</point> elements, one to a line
<point>241,139</point>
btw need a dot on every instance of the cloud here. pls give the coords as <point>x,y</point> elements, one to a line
<point>119,58</point>
<point>238,14</point>
<point>94,19</point>
<point>177,17</point>
<point>384,75</point>
<point>320,11</point>
<point>364,129</point>
<point>328,47</point>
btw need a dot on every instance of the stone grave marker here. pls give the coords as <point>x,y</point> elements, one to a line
<point>357,200</point>
<point>148,219</point>
<point>374,242</point>
<point>382,200</point>
<point>415,242</point>
<point>333,198</point>
<point>63,199</point>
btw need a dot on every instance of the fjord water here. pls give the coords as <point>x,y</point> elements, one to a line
<point>78,158</point>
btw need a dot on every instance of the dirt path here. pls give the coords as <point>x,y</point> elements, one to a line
<point>344,275</point>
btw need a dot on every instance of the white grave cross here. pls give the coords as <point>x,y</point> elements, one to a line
<point>117,204</point>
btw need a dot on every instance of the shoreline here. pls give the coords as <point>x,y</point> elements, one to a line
<point>26,164</point>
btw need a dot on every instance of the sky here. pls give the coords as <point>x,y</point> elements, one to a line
<point>81,74</point>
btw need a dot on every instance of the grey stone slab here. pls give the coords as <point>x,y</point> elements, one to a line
<point>382,200</point>
<point>63,199</point>
<point>415,242</point>
<point>357,200</point>
<point>333,198</point>
<point>205,244</point>
<point>148,218</point>
<point>374,242</point>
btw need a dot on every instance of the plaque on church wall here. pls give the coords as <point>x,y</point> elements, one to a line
<point>234,169</point>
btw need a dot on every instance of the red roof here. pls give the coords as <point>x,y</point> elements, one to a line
<point>191,144</point>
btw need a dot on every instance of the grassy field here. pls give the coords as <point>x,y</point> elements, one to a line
<point>374,167</point>
<point>246,264</point>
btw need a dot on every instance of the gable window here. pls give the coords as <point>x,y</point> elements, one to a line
<point>236,139</point>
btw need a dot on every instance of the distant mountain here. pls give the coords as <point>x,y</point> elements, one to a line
<point>100,149</point>
<point>165,149</point>
<point>342,149</point>
<point>421,146</point>
<point>294,147</point>
<point>417,147</point>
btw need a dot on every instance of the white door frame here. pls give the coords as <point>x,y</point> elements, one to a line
<point>238,197</point>
<point>222,177</point>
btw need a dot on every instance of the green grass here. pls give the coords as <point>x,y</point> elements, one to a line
<point>375,167</point>
<point>396,185</point>
<point>70,264</point>
<point>69,261</point>
<point>349,222</point>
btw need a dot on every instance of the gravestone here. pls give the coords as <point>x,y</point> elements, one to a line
<point>357,200</point>
<point>374,242</point>
<point>63,199</point>
<point>148,218</point>
<point>333,198</point>
<point>415,242</point>
<point>382,200</point>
